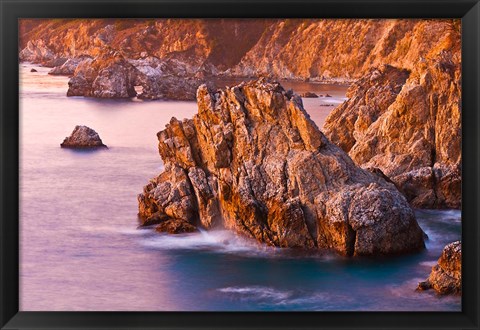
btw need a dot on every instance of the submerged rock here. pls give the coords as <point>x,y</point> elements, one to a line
<point>253,161</point>
<point>175,227</point>
<point>83,137</point>
<point>446,275</point>
<point>33,70</point>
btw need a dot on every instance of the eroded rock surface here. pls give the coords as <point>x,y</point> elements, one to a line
<point>83,137</point>
<point>253,161</point>
<point>408,125</point>
<point>446,275</point>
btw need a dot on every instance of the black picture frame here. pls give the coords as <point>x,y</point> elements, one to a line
<point>12,10</point>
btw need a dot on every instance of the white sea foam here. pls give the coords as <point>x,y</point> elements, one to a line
<point>256,293</point>
<point>429,264</point>
<point>333,100</point>
<point>222,241</point>
<point>264,295</point>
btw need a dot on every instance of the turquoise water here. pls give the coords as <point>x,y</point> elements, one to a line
<point>81,248</point>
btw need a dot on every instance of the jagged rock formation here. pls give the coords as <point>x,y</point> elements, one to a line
<point>408,125</point>
<point>83,137</point>
<point>446,276</point>
<point>253,161</point>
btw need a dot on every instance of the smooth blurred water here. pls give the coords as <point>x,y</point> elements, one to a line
<point>80,248</point>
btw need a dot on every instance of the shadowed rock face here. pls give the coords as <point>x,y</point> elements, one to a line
<point>408,125</point>
<point>83,137</point>
<point>446,275</point>
<point>252,160</point>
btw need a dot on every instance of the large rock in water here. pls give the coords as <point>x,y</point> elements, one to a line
<point>83,137</point>
<point>408,125</point>
<point>253,161</point>
<point>446,275</point>
<point>110,75</point>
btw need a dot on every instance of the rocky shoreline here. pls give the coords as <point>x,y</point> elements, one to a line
<point>293,49</point>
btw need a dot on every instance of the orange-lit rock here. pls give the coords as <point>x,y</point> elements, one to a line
<point>253,161</point>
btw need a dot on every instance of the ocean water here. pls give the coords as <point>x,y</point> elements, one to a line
<point>81,250</point>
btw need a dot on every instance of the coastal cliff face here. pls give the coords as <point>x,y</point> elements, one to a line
<point>252,160</point>
<point>407,123</point>
<point>403,117</point>
<point>342,49</point>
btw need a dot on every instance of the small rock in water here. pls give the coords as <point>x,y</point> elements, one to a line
<point>173,226</point>
<point>328,95</point>
<point>446,275</point>
<point>83,137</point>
<point>309,95</point>
<point>33,70</point>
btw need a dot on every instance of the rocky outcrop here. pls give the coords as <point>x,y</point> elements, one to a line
<point>36,51</point>
<point>107,76</point>
<point>83,137</point>
<point>110,75</point>
<point>253,161</point>
<point>68,68</point>
<point>408,125</point>
<point>446,275</point>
